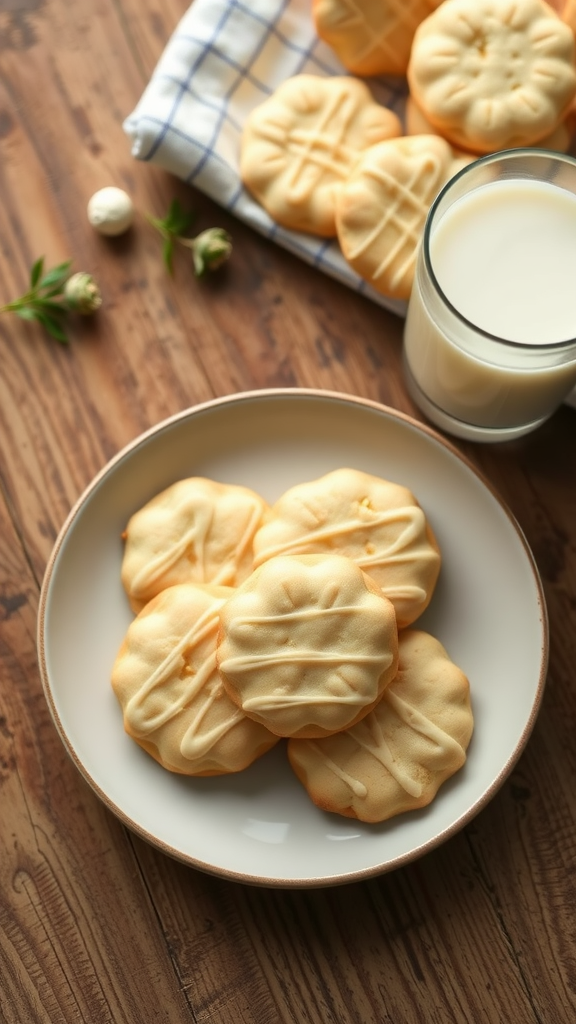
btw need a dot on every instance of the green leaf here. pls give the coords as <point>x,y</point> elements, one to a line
<point>50,293</point>
<point>56,276</point>
<point>36,272</point>
<point>26,313</point>
<point>177,220</point>
<point>53,327</point>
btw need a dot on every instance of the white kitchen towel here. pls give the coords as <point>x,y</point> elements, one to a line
<point>223,59</point>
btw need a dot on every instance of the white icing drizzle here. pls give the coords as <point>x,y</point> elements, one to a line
<point>414,718</point>
<point>194,744</point>
<point>140,721</point>
<point>315,148</point>
<point>358,788</point>
<point>196,536</point>
<point>243,663</point>
<point>395,552</point>
<point>284,701</point>
<point>377,746</point>
<point>369,736</point>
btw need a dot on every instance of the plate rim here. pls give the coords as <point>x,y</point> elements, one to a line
<point>228,873</point>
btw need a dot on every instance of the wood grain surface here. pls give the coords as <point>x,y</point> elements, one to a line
<point>96,925</point>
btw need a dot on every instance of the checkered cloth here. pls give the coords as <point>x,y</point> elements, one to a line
<point>223,59</point>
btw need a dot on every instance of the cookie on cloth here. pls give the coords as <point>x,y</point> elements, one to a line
<point>171,694</point>
<point>307,644</point>
<point>376,523</point>
<point>417,123</point>
<point>493,74</point>
<point>300,144</point>
<point>382,208</point>
<point>371,37</point>
<point>398,756</point>
<point>195,531</point>
<point>566,11</point>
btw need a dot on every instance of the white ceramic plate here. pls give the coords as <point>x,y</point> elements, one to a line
<point>259,826</point>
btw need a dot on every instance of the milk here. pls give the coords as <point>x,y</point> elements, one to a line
<point>504,256</point>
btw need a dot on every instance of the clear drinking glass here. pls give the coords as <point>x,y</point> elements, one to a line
<point>490,335</point>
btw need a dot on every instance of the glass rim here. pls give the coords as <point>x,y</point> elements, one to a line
<point>501,155</point>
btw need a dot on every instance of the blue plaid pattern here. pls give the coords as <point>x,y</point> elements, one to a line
<point>224,58</point>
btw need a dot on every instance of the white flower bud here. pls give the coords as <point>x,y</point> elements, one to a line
<point>82,294</point>
<point>110,211</point>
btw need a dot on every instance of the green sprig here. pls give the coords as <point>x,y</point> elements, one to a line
<point>210,249</point>
<point>51,296</point>
<point>172,227</point>
<point>44,301</point>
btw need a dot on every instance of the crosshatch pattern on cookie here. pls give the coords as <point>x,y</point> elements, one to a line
<point>300,145</point>
<point>383,207</point>
<point>371,38</point>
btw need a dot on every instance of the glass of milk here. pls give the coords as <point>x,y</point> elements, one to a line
<point>490,336</point>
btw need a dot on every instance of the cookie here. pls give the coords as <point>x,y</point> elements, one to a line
<point>376,523</point>
<point>493,74</point>
<point>195,531</point>
<point>371,37</point>
<point>399,755</point>
<point>299,146</point>
<point>382,208</point>
<point>416,123</point>
<point>172,698</point>
<point>307,644</point>
<point>566,11</point>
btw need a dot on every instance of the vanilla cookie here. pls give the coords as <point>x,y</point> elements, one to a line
<point>493,74</point>
<point>382,208</point>
<point>417,123</point>
<point>371,37</point>
<point>171,694</point>
<point>398,756</point>
<point>376,523</point>
<point>307,644</point>
<point>300,144</point>
<point>566,11</point>
<point>195,531</point>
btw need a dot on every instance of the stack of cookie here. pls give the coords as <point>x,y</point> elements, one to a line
<point>484,75</point>
<point>258,624</point>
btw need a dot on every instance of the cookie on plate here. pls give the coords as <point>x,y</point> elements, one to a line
<point>398,756</point>
<point>195,531</point>
<point>171,694</point>
<point>493,74</point>
<point>382,208</point>
<point>307,644</point>
<point>377,523</point>
<point>371,37</point>
<point>300,144</point>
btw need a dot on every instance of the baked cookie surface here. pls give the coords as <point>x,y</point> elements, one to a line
<point>307,644</point>
<point>371,37</point>
<point>300,144</point>
<point>195,531</point>
<point>493,74</point>
<point>376,523</point>
<point>382,208</point>
<point>398,756</point>
<point>172,698</point>
<point>417,123</point>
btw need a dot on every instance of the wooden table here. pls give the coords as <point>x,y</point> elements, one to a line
<point>97,925</point>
